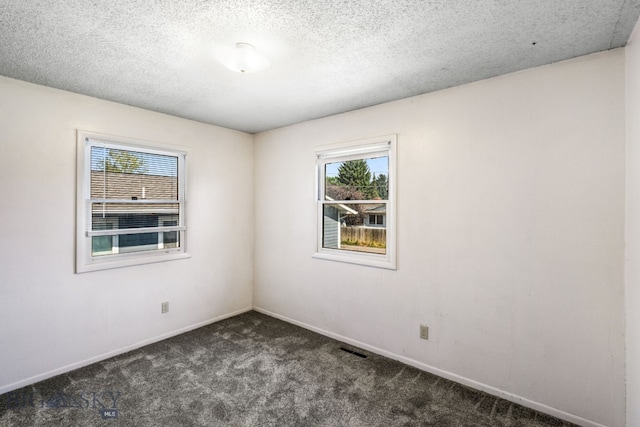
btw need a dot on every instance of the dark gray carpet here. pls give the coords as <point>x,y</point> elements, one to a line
<point>253,370</point>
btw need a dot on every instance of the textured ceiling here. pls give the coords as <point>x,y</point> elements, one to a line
<point>326,57</point>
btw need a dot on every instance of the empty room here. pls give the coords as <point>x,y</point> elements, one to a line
<point>340,213</point>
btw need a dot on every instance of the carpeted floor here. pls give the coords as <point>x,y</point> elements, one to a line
<point>253,370</point>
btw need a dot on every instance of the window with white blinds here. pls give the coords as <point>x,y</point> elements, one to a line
<point>131,202</point>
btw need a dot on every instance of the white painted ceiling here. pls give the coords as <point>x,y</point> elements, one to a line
<point>327,57</point>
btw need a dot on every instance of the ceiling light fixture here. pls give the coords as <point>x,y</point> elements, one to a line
<point>243,58</point>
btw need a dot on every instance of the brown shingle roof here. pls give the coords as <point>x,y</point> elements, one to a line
<point>130,185</point>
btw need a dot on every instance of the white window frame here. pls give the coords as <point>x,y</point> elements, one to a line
<point>85,261</point>
<point>353,150</point>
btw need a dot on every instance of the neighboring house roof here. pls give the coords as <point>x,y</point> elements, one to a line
<point>134,186</point>
<point>130,185</point>
<point>381,209</point>
<point>343,207</point>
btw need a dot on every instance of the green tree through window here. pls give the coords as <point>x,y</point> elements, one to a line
<point>356,174</point>
<point>123,161</point>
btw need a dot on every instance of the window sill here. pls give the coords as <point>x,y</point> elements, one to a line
<point>368,260</point>
<point>107,264</point>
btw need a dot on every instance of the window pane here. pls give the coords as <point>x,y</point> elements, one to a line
<point>362,179</point>
<point>170,239</point>
<point>102,245</point>
<point>132,175</point>
<point>343,227</point>
<point>125,243</point>
<point>137,242</point>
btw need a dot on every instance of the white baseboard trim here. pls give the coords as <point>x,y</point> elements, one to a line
<point>68,368</point>
<point>442,373</point>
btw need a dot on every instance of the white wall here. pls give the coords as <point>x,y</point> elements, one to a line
<point>510,236</point>
<point>633,229</point>
<point>52,319</point>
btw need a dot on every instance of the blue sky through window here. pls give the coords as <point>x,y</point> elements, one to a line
<point>377,166</point>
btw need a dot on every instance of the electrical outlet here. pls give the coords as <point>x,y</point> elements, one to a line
<point>424,332</point>
<point>165,307</point>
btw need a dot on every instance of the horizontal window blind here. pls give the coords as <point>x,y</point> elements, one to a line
<point>134,199</point>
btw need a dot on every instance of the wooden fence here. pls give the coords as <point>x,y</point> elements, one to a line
<point>376,237</point>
